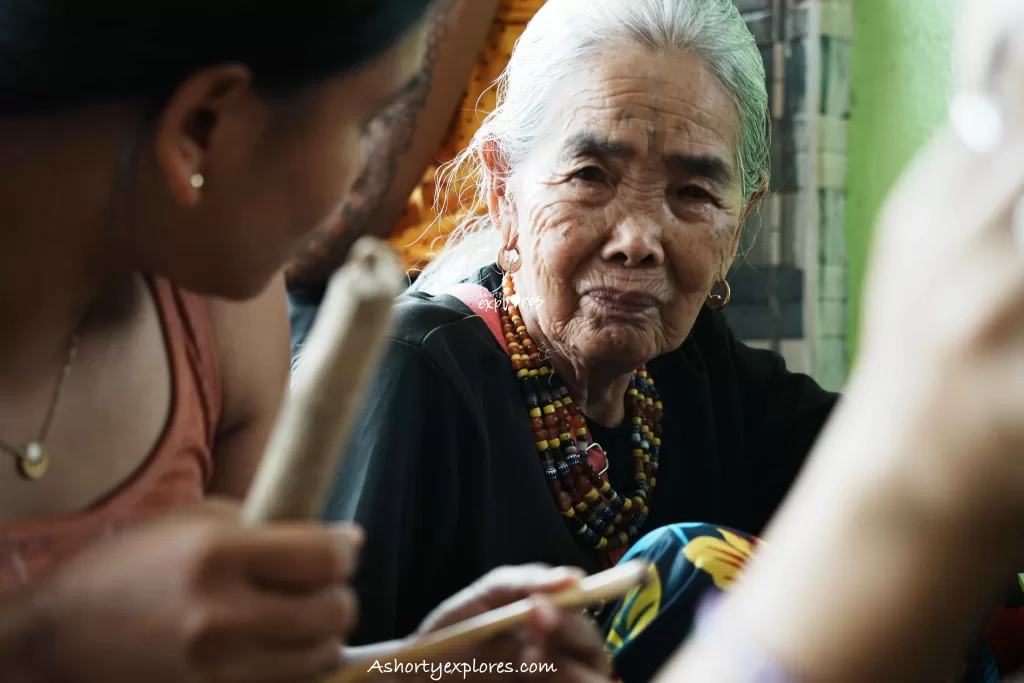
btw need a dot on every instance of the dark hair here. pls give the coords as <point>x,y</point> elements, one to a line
<point>57,54</point>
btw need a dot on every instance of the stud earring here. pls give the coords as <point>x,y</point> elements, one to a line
<point>197,180</point>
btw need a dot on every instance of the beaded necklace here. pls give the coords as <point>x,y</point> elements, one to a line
<point>593,510</point>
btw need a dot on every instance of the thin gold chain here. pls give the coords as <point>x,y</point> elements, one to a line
<point>54,400</point>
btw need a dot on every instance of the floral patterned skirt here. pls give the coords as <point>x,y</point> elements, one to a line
<point>693,561</point>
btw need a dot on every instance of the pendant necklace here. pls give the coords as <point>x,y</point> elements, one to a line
<point>33,459</point>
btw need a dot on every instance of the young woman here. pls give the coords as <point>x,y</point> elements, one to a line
<point>158,164</point>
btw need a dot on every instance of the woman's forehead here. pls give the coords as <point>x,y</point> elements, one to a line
<point>654,103</point>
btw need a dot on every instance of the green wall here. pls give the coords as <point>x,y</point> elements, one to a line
<point>900,88</point>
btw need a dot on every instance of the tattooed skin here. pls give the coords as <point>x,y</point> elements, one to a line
<point>392,135</point>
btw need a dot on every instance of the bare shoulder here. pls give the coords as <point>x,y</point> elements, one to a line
<point>252,343</point>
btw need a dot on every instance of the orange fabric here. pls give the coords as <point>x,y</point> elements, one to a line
<point>422,230</point>
<point>175,474</point>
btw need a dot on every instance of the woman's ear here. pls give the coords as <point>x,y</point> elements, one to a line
<point>191,122</point>
<point>496,168</point>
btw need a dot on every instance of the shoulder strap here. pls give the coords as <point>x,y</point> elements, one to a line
<point>186,314</point>
<point>481,302</point>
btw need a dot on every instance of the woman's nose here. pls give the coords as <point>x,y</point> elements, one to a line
<point>635,243</point>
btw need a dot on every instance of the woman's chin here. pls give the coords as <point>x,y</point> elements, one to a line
<point>624,345</point>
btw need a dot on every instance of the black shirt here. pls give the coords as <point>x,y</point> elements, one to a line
<point>444,475</point>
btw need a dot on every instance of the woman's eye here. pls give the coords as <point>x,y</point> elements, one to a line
<point>694,192</point>
<point>590,174</point>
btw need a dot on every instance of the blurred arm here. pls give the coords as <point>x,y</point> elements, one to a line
<point>871,555</point>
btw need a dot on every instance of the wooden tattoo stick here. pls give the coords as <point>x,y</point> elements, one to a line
<point>607,585</point>
<point>306,448</point>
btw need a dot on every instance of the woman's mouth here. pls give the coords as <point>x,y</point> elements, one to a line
<point>623,302</point>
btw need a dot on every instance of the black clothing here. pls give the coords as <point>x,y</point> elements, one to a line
<point>444,475</point>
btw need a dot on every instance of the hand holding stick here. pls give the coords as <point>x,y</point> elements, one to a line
<point>607,585</point>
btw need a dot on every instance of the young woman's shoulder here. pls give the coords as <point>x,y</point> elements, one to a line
<point>253,355</point>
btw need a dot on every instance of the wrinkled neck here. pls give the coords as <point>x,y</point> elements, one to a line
<point>598,388</point>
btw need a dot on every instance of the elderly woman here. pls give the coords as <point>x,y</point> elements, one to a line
<point>583,390</point>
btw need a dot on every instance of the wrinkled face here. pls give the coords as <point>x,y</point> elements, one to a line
<point>630,212</point>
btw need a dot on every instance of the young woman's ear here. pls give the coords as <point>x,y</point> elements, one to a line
<point>189,124</point>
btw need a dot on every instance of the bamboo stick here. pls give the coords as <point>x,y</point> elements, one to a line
<point>306,448</point>
<point>607,585</point>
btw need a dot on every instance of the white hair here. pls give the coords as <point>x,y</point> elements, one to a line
<point>559,42</point>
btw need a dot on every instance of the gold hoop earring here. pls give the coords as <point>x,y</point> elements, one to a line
<point>509,259</point>
<point>717,302</point>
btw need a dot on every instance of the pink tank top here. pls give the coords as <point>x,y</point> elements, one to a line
<point>176,472</point>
